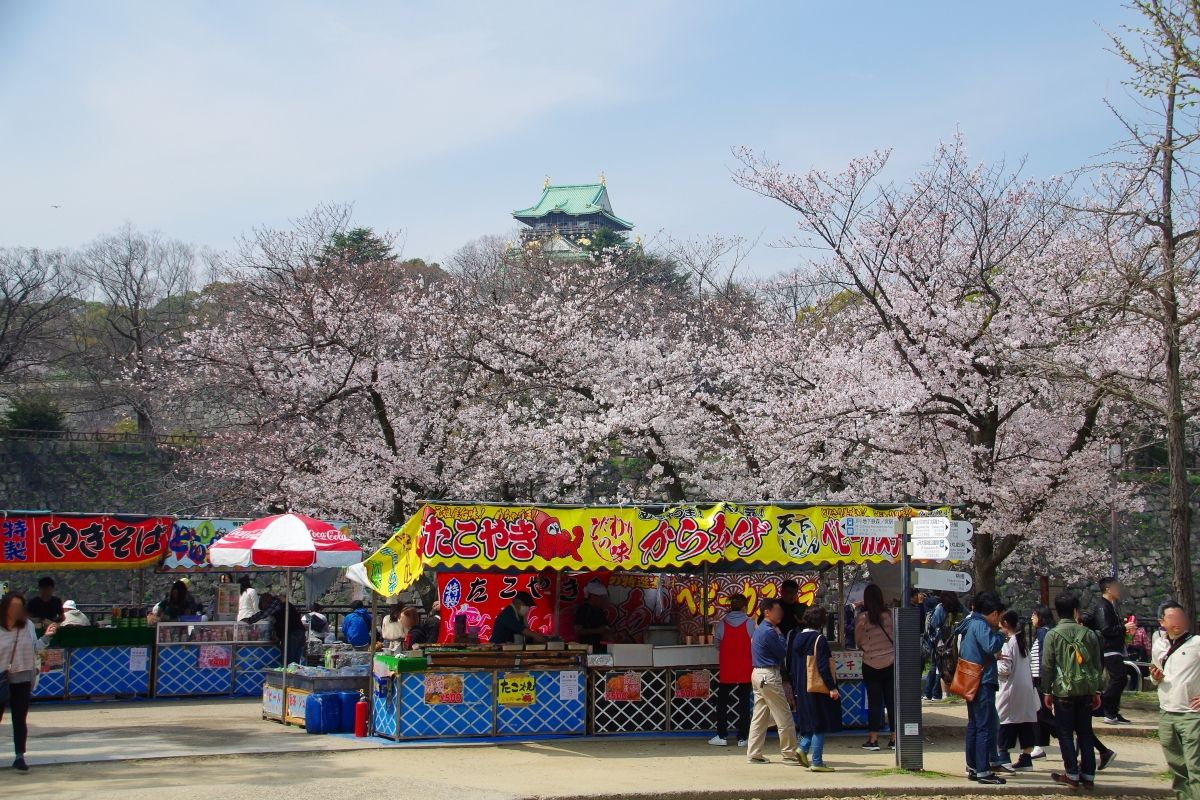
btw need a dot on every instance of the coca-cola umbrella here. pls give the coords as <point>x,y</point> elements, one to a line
<point>287,542</point>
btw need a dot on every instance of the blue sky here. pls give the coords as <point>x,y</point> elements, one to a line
<point>436,120</point>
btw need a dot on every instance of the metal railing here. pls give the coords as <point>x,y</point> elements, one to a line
<point>108,437</point>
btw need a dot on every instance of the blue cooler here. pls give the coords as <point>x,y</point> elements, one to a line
<point>322,713</point>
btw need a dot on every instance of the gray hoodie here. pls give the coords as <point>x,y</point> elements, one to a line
<point>734,618</point>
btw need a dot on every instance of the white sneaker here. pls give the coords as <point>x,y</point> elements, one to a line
<point>741,742</point>
<point>717,741</point>
<point>1037,752</point>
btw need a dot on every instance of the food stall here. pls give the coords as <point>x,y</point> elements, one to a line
<point>84,662</point>
<point>195,659</point>
<point>660,687</point>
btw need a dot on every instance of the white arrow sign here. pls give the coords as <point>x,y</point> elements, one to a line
<point>941,579</point>
<point>930,549</point>
<point>869,527</point>
<point>929,527</point>
<point>960,551</point>
<point>960,531</point>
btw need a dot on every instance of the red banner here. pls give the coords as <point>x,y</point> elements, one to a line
<point>634,601</point>
<point>82,542</point>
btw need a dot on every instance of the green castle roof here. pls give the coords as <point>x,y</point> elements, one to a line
<point>574,200</point>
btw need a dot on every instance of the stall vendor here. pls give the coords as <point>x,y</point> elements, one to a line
<point>45,608</point>
<point>284,616</point>
<point>512,622</point>
<point>73,617</point>
<point>177,604</point>
<point>591,619</point>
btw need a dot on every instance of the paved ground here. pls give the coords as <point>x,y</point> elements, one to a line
<point>223,749</point>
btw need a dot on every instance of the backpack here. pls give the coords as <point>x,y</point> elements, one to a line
<point>945,647</point>
<point>1074,675</point>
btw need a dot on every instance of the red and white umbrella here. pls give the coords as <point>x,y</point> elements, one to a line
<point>285,541</point>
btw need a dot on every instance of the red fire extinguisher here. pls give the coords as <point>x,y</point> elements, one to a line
<point>360,716</point>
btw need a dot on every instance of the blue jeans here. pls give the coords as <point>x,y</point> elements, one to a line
<point>982,724</point>
<point>933,686</point>
<point>814,745</point>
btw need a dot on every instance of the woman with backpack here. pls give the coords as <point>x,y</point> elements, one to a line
<point>1017,702</point>
<point>873,634</point>
<point>938,624</point>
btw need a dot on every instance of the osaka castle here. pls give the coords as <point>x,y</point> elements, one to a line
<point>571,220</point>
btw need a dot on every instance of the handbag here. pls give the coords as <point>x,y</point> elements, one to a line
<point>816,684</point>
<point>967,677</point>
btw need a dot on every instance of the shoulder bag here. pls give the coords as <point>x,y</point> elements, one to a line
<point>967,677</point>
<point>816,684</point>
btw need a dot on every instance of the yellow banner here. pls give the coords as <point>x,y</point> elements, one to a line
<point>651,538</point>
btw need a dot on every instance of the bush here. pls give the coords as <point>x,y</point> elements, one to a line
<point>35,413</point>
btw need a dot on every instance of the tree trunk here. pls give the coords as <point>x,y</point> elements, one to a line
<point>1180,512</point>
<point>985,564</point>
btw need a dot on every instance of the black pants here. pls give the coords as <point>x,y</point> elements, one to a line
<point>1012,733</point>
<point>881,694</point>
<point>1114,665</point>
<point>1076,741</point>
<point>18,702</point>
<point>741,692</point>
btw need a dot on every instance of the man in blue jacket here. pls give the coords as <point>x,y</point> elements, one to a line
<point>356,626</point>
<point>980,642</point>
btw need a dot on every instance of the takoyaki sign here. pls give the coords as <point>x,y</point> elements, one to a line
<point>645,538</point>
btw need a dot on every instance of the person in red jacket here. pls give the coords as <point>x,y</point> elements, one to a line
<point>732,638</point>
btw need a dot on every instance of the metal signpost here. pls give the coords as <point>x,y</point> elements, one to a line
<point>924,539</point>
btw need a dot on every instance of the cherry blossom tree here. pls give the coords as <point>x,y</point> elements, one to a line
<point>930,290</point>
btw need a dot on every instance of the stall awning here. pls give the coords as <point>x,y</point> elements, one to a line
<point>648,538</point>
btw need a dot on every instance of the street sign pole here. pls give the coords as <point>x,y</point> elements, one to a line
<point>906,727</point>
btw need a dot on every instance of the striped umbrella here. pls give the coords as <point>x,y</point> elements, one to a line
<point>285,541</point>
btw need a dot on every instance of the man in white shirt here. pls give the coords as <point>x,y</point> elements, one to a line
<point>1175,669</point>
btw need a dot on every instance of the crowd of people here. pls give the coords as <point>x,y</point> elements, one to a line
<point>1025,687</point>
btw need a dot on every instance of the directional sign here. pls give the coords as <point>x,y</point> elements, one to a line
<point>869,527</point>
<point>929,527</point>
<point>960,531</point>
<point>930,549</point>
<point>960,551</point>
<point>941,579</point>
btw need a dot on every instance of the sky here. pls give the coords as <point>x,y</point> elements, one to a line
<point>204,120</point>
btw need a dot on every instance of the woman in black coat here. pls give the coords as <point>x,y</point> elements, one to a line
<point>817,712</point>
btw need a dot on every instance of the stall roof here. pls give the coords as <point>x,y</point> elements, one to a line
<point>656,537</point>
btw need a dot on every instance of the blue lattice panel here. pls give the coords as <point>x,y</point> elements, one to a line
<point>383,713</point>
<point>50,685</point>
<point>854,704</point>
<point>549,713</point>
<point>179,674</point>
<point>249,663</point>
<point>95,671</point>
<point>471,717</point>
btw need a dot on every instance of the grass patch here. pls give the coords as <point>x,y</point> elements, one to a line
<point>1142,701</point>
<point>932,774</point>
<point>1165,775</point>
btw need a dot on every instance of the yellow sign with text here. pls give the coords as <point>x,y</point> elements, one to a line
<point>516,689</point>
<point>646,538</point>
